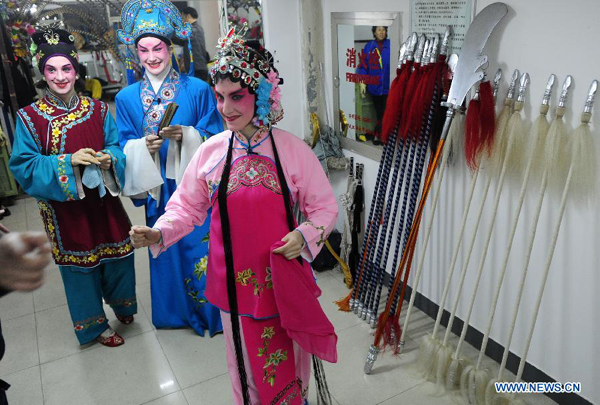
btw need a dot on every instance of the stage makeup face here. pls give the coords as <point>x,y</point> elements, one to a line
<point>154,55</point>
<point>235,104</point>
<point>60,76</point>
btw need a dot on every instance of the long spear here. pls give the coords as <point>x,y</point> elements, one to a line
<point>557,138</point>
<point>582,175</point>
<point>393,333</point>
<point>409,91</point>
<point>428,353</point>
<point>516,136</point>
<point>350,302</point>
<point>466,75</point>
<point>403,185</point>
<point>437,74</point>
<point>472,374</point>
<point>454,259</point>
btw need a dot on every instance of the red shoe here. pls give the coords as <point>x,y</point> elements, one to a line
<point>127,319</point>
<point>110,338</point>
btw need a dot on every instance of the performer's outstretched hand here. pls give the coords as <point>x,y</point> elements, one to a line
<point>143,236</point>
<point>293,246</point>
<point>23,257</point>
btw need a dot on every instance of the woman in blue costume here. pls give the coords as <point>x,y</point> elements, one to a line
<point>156,160</point>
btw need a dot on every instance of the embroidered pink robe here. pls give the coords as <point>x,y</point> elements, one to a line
<point>257,214</point>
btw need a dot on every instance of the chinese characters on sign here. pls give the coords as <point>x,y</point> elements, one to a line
<point>433,16</point>
<point>366,128</point>
<point>362,60</point>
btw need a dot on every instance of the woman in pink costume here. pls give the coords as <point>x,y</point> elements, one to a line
<point>256,273</point>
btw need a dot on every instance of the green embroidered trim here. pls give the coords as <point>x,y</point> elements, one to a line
<point>63,178</point>
<point>88,323</point>
<point>321,230</point>
<point>247,277</point>
<point>199,270</point>
<point>122,302</point>
<point>272,360</point>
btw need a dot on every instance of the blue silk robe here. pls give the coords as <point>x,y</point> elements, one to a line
<point>177,277</point>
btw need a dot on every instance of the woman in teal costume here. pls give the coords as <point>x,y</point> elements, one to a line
<point>156,160</point>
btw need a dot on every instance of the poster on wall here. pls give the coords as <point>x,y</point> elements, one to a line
<point>433,16</point>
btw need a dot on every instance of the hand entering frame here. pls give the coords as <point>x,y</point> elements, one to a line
<point>143,236</point>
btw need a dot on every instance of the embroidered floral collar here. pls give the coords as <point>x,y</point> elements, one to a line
<point>57,102</point>
<point>256,140</point>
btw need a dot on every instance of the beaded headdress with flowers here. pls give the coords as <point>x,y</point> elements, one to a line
<point>254,68</point>
<point>157,18</point>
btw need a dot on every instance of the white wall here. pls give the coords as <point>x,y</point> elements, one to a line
<point>281,19</point>
<point>540,37</point>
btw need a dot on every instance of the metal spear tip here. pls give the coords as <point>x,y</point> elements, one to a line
<point>434,52</point>
<point>562,101</point>
<point>524,82</point>
<point>548,90</point>
<point>589,102</point>
<point>497,77</point>
<point>446,41</point>
<point>410,46</point>
<point>513,84</point>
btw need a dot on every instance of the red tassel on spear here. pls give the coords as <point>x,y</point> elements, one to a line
<point>471,59</point>
<point>393,107</point>
<point>393,113</point>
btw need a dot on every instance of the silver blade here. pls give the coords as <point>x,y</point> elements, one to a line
<point>471,57</point>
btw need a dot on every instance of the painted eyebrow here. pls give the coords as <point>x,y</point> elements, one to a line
<point>235,93</point>
<point>55,67</point>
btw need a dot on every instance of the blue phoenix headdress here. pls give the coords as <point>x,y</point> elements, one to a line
<point>159,18</point>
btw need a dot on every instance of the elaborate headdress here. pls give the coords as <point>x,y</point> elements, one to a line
<point>253,67</point>
<point>51,42</point>
<point>156,18</point>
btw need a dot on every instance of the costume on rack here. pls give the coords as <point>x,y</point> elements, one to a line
<point>85,221</point>
<point>177,277</point>
<point>281,322</point>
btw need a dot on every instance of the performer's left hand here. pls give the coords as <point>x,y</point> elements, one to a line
<point>174,132</point>
<point>293,246</point>
<point>105,160</point>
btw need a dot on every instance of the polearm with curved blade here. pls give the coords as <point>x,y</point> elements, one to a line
<point>582,175</point>
<point>351,302</point>
<point>465,77</point>
<point>538,138</point>
<point>392,144</point>
<point>402,152</point>
<point>556,137</point>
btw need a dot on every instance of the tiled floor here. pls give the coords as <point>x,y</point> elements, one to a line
<point>45,365</point>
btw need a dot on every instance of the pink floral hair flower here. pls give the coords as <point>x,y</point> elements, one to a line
<point>273,78</point>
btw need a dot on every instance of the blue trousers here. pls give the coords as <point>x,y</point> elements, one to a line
<point>112,281</point>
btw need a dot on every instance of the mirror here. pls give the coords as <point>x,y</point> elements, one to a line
<point>366,49</point>
<point>246,11</point>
